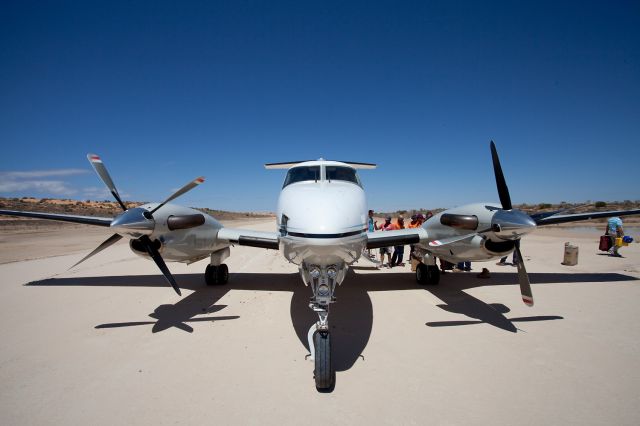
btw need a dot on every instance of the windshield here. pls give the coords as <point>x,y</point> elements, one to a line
<point>342,173</point>
<point>301,174</point>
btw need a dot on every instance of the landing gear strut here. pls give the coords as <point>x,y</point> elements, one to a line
<point>216,275</point>
<point>323,281</point>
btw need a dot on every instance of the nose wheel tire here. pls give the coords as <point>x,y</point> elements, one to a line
<point>216,275</point>
<point>427,274</point>
<point>324,373</point>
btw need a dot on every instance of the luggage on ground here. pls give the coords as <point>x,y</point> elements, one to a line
<point>605,243</point>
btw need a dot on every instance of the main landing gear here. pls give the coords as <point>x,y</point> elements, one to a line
<point>427,274</point>
<point>216,275</point>
<point>323,281</point>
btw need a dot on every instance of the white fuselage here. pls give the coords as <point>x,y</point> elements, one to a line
<point>322,221</point>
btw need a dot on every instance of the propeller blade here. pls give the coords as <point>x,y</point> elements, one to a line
<point>188,187</point>
<point>523,278</point>
<point>503,191</point>
<point>155,255</point>
<point>109,241</point>
<point>101,170</point>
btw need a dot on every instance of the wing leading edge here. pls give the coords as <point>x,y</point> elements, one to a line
<point>555,219</point>
<point>86,220</point>
<point>395,238</point>
<point>249,237</point>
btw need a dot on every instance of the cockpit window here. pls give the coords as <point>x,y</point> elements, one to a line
<point>342,173</point>
<point>301,174</point>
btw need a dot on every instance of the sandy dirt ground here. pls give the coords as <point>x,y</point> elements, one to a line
<point>110,343</point>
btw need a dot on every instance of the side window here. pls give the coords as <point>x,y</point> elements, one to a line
<point>346,174</point>
<point>301,174</point>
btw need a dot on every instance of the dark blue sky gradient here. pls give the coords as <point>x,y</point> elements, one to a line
<point>167,91</point>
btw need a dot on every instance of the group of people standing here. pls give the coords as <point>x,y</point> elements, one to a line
<point>395,258</point>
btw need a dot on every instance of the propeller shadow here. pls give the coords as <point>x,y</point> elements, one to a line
<point>459,302</point>
<point>201,301</point>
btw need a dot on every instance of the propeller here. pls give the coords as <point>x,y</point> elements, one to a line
<point>188,187</point>
<point>513,219</point>
<point>137,223</point>
<point>523,278</point>
<point>101,170</point>
<point>108,242</point>
<point>155,255</point>
<point>501,183</point>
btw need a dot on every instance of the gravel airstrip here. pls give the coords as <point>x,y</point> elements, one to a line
<point>110,343</point>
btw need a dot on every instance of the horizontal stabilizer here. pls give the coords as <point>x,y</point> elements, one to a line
<point>286,165</point>
<point>289,164</point>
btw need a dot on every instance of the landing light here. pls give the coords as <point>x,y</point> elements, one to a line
<point>315,273</point>
<point>331,273</point>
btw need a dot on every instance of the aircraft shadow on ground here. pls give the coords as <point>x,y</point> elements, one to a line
<point>351,318</point>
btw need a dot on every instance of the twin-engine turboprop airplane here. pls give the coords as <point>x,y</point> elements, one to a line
<point>322,228</point>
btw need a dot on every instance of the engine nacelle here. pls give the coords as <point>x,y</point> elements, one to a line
<point>181,234</point>
<point>465,220</point>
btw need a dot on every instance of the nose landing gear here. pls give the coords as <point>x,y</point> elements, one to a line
<point>323,281</point>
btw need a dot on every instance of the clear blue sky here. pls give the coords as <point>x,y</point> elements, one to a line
<point>168,91</point>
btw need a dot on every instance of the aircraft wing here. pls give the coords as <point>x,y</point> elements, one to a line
<point>249,237</point>
<point>400,237</point>
<point>87,220</point>
<point>554,219</point>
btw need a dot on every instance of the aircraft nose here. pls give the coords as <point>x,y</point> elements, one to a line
<point>512,224</point>
<point>134,223</point>
<point>340,210</point>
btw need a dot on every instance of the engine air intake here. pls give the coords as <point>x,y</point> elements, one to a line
<point>460,221</point>
<point>184,221</point>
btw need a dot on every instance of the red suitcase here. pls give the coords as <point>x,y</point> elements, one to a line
<point>605,243</point>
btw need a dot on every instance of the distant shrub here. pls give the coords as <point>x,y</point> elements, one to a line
<point>600,204</point>
<point>544,206</point>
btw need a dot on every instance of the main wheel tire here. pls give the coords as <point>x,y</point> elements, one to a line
<point>434,275</point>
<point>324,373</point>
<point>427,274</point>
<point>211,275</point>
<point>223,274</point>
